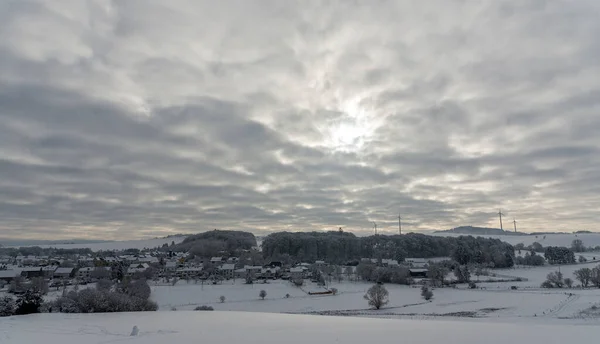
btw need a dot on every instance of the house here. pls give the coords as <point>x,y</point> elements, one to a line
<point>63,273</point>
<point>320,262</point>
<point>240,273</point>
<point>298,272</point>
<point>170,266</point>
<point>233,260</point>
<point>189,272</point>
<point>418,273</point>
<point>148,259</point>
<point>269,273</point>
<point>227,270</point>
<point>38,271</point>
<point>389,262</point>
<point>216,260</point>
<point>9,275</point>
<point>85,273</point>
<point>137,267</point>
<point>418,263</point>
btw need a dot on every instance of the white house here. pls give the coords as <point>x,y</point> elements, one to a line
<point>137,267</point>
<point>227,270</point>
<point>417,263</point>
<point>85,273</point>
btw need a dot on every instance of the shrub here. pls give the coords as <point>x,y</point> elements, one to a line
<point>7,306</point>
<point>582,259</point>
<point>222,299</point>
<point>400,275</point>
<point>568,282</point>
<point>262,294</point>
<point>102,301</point>
<point>334,291</point>
<point>426,293</point>
<point>28,303</point>
<point>298,282</point>
<point>377,296</point>
<point>556,279</point>
<point>104,284</point>
<point>204,308</point>
<point>472,285</point>
<point>547,284</point>
<point>287,296</point>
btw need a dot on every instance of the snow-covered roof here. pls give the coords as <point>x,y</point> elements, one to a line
<point>9,273</point>
<point>63,270</point>
<point>228,267</point>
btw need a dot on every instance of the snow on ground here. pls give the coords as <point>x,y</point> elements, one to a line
<point>536,275</point>
<point>495,301</point>
<point>234,327</point>
<point>120,245</point>
<point>589,239</point>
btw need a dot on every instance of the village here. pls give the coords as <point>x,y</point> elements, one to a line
<point>154,265</point>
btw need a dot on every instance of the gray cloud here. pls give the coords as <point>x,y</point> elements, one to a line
<point>144,118</point>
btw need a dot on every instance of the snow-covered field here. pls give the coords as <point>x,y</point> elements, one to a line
<point>589,239</point>
<point>497,301</point>
<point>120,245</point>
<point>234,327</point>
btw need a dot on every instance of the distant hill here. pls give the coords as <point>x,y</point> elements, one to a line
<point>470,230</point>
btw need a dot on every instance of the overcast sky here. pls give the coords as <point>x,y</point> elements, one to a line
<point>130,119</point>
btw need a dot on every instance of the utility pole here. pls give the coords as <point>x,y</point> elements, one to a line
<point>399,224</point>
<point>375,226</point>
<point>515,223</point>
<point>500,214</point>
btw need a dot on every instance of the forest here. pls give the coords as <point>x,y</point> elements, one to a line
<point>341,247</point>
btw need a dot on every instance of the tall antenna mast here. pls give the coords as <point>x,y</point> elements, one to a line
<point>375,226</point>
<point>399,224</point>
<point>500,214</point>
<point>515,223</point>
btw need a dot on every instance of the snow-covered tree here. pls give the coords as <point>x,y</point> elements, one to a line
<point>377,296</point>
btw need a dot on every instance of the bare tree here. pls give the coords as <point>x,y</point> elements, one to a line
<point>595,277</point>
<point>568,282</point>
<point>377,296</point>
<point>262,294</point>
<point>584,276</point>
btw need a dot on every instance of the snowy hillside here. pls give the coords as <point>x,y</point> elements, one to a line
<point>232,327</point>
<point>589,239</point>
<point>497,301</point>
<point>121,245</point>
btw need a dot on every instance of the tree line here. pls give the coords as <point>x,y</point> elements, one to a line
<point>216,242</point>
<point>341,248</point>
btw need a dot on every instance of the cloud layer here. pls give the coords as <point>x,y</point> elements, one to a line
<point>136,118</point>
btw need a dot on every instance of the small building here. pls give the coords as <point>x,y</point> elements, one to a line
<point>298,272</point>
<point>38,271</point>
<point>85,273</point>
<point>9,275</point>
<point>63,273</point>
<point>389,262</point>
<point>418,263</point>
<point>269,273</point>
<point>227,270</point>
<point>418,273</point>
<point>171,266</point>
<point>189,272</point>
<point>137,267</point>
